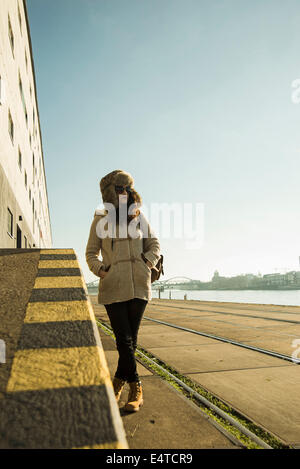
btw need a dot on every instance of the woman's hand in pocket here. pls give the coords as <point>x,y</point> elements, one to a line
<point>148,263</point>
<point>103,273</point>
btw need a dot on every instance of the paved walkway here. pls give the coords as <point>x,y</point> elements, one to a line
<point>167,420</point>
<point>263,388</point>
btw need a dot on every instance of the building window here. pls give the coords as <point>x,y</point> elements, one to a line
<point>30,195</point>
<point>33,168</point>
<point>10,35</point>
<point>25,179</point>
<point>10,126</point>
<point>20,18</point>
<point>20,160</point>
<point>9,222</point>
<point>26,61</point>
<point>22,98</point>
<point>25,241</point>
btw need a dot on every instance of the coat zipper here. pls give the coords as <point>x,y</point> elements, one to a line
<point>131,262</point>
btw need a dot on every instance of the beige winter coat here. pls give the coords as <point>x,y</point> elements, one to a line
<point>128,275</point>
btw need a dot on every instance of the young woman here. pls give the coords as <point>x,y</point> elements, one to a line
<point>125,272</point>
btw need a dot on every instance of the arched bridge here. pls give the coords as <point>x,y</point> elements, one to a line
<point>176,283</point>
<point>184,283</point>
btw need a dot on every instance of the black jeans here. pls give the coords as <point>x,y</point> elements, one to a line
<point>125,318</point>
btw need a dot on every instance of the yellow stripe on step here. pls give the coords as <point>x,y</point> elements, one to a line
<point>57,251</point>
<point>57,311</point>
<point>48,368</point>
<point>57,264</point>
<point>58,282</point>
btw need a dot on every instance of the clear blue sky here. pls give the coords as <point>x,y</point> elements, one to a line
<point>193,98</point>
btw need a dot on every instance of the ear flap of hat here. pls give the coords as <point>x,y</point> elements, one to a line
<point>136,196</point>
<point>108,179</point>
<point>107,188</point>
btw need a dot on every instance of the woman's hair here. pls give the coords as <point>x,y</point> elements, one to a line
<point>130,200</point>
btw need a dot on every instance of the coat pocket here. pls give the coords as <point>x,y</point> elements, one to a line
<point>144,260</point>
<point>142,275</point>
<point>111,282</point>
<point>147,267</point>
<point>108,271</point>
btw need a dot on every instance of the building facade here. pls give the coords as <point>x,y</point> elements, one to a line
<point>24,210</point>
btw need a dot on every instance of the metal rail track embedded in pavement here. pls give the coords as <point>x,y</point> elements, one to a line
<point>229,341</point>
<point>245,431</point>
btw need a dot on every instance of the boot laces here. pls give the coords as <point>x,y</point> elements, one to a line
<point>135,391</point>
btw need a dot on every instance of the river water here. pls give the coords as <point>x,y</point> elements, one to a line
<point>275,297</point>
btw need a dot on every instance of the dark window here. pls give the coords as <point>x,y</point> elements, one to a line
<point>23,98</point>
<point>20,160</point>
<point>33,169</point>
<point>10,126</point>
<point>19,237</point>
<point>10,35</point>
<point>20,19</point>
<point>9,222</point>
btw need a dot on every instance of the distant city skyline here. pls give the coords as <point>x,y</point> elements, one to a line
<point>249,274</point>
<point>197,100</point>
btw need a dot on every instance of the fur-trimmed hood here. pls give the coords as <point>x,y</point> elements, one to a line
<point>117,177</point>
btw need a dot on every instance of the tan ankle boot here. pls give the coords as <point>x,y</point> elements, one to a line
<point>135,397</point>
<point>118,385</point>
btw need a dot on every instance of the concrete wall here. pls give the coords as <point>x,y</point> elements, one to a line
<point>28,200</point>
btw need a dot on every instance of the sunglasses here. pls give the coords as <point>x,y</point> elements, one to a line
<point>120,189</point>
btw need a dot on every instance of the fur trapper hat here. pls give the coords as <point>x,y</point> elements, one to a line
<point>117,178</point>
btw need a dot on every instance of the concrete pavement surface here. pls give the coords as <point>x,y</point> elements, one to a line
<point>263,388</point>
<point>167,419</point>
